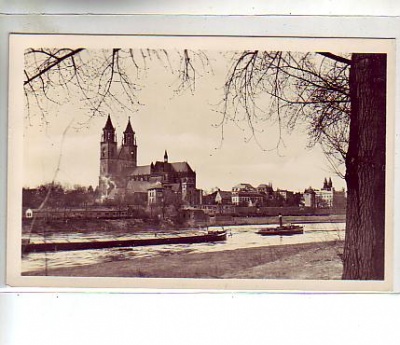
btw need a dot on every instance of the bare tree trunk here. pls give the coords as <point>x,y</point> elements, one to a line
<point>365,169</point>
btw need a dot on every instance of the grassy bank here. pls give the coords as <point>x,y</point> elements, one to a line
<point>298,261</point>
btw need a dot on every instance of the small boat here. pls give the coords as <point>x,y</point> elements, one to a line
<point>284,230</point>
<point>211,236</point>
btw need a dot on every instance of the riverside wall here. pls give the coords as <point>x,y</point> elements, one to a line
<point>227,220</point>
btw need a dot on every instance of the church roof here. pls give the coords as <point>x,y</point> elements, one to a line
<point>129,127</point>
<point>162,166</point>
<point>181,167</point>
<point>109,124</point>
<point>141,170</point>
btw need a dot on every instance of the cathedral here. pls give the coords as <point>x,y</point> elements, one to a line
<point>159,182</point>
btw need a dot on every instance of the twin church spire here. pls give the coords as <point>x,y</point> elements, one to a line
<point>123,180</point>
<point>110,137</point>
<point>129,135</point>
<point>113,159</point>
<point>128,149</point>
<point>109,132</point>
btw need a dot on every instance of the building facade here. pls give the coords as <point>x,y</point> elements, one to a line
<point>121,178</point>
<point>326,197</point>
<point>244,194</point>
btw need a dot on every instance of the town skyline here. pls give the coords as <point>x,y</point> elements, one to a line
<point>187,125</point>
<point>66,178</point>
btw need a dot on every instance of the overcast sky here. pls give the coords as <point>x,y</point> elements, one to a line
<point>185,125</point>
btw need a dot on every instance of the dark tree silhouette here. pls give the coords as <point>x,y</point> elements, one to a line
<point>342,99</point>
<point>365,169</point>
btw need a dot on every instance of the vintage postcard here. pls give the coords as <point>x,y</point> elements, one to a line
<point>224,163</point>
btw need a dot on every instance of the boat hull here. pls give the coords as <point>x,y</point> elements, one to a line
<point>282,231</point>
<point>70,246</point>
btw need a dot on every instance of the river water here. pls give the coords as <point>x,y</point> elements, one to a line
<point>243,236</point>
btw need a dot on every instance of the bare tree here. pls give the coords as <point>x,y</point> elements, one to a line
<point>341,98</point>
<point>343,101</point>
<point>98,77</point>
<point>103,79</point>
<point>303,88</point>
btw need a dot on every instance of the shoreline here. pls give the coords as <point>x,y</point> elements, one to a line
<point>317,260</point>
<point>137,225</point>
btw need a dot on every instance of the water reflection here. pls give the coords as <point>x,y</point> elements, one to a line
<point>241,237</point>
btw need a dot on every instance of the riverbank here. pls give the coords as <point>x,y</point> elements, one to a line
<point>300,219</point>
<point>319,261</point>
<point>132,226</point>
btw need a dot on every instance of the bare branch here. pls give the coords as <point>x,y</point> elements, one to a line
<point>50,66</point>
<point>335,57</point>
<point>300,87</point>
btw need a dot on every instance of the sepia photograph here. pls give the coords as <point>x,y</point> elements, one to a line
<point>200,162</point>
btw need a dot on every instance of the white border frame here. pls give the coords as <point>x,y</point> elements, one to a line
<point>331,318</point>
<point>376,27</point>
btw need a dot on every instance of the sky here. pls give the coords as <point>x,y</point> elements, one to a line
<point>186,125</point>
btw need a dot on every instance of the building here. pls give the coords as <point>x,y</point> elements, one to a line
<point>267,191</point>
<point>244,194</point>
<point>29,213</point>
<point>219,197</point>
<point>309,197</point>
<point>243,187</point>
<point>247,199</point>
<point>155,195</point>
<point>326,197</point>
<point>122,179</point>
<point>284,194</point>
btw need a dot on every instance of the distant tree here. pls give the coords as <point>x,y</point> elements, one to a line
<point>136,199</point>
<point>56,195</point>
<point>78,196</point>
<point>53,193</point>
<point>30,198</point>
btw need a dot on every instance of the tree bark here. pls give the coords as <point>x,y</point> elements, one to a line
<point>363,257</point>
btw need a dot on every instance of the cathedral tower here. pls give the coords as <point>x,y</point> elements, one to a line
<point>108,150</point>
<point>128,154</point>
<point>108,159</point>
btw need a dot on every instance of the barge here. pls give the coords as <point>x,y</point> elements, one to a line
<point>32,247</point>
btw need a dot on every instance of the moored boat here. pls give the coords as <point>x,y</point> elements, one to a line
<point>282,230</point>
<point>285,230</point>
<point>211,236</point>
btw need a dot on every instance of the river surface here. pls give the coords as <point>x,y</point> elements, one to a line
<point>243,236</point>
